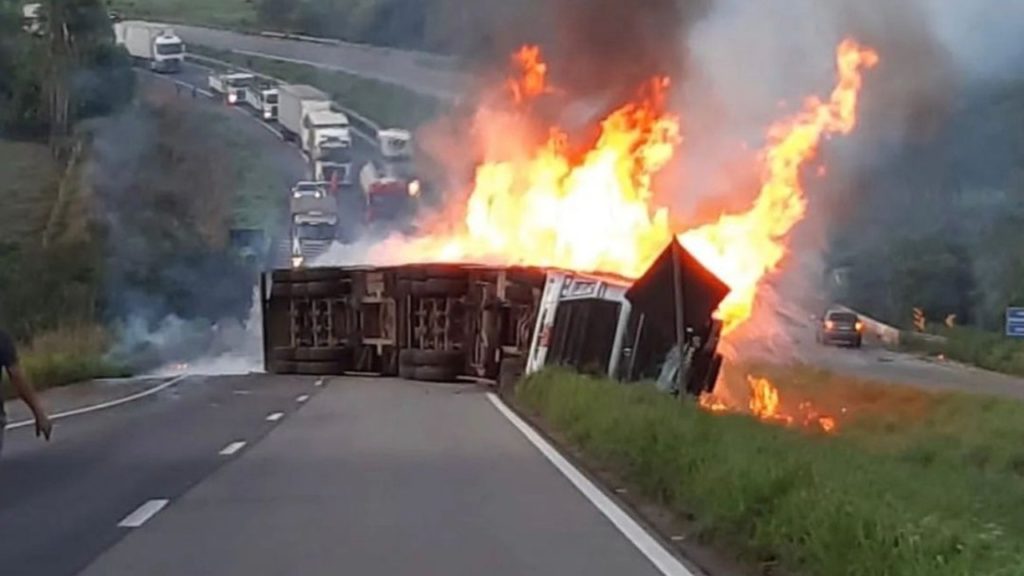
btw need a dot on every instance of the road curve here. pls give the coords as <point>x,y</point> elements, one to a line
<point>423,73</point>
<point>382,476</point>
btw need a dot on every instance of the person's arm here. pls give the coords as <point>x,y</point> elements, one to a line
<point>28,394</point>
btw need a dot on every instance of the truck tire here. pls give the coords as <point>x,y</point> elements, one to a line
<point>283,367</point>
<point>406,371</point>
<point>435,374</point>
<point>283,354</point>
<point>338,354</point>
<point>439,288</point>
<point>320,368</point>
<point>444,358</point>
<point>510,372</point>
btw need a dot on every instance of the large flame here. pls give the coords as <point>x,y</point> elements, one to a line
<point>594,210</point>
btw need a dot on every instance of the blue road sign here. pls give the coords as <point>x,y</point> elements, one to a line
<point>1015,322</point>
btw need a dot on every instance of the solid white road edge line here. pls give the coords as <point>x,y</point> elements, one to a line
<point>232,448</point>
<point>104,405</point>
<point>275,416</point>
<point>302,398</point>
<point>664,561</point>
<point>143,513</point>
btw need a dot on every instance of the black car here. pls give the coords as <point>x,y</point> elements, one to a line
<point>839,327</point>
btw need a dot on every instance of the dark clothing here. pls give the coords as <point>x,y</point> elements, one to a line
<point>8,360</point>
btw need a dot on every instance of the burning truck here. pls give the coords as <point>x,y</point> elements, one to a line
<point>544,205</point>
<point>439,322</point>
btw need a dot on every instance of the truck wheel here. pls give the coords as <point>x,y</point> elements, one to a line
<point>443,358</point>
<point>319,368</point>
<point>283,353</point>
<point>339,354</point>
<point>435,374</point>
<point>406,371</point>
<point>283,367</point>
<point>439,288</point>
<point>510,372</point>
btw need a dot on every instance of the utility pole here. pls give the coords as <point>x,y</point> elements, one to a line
<point>677,294</point>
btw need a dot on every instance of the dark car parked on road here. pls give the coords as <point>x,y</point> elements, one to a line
<point>839,327</point>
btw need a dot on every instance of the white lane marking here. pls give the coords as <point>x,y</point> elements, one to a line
<point>143,513</point>
<point>302,398</point>
<point>232,448</point>
<point>275,416</point>
<point>320,382</point>
<point>104,405</point>
<point>664,561</point>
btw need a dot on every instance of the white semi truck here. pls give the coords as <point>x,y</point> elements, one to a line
<point>263,99</point>
<point>307,116</point>
<point>155,44</point>
<point>231,87</point>
<point>390,186</point>
<point>314,222</point>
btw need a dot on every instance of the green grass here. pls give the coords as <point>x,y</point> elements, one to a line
<point>28,186</point>
<point>387,104</point>
<point>237,14</point>
<point>987,350</point>
<point>66,356</point>
<point>898,497</point>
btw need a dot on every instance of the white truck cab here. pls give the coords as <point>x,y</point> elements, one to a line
<point>262,98</point>
<point>325,128</point>
<point>232,87</point>
<point>395,143</point>
<point>152,43</point>
<point>32,19</point>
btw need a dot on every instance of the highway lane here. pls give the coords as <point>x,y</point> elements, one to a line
<point>61,502</point>
<point>424,73</point>
<point>382,476</point>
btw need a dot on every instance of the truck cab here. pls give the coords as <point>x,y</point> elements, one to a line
<point>32,19</point>
<point>391,187</point>
<point>314,221</point>
<point>263,99</point>
<point>326,129</point>
<point>152,44</point>
<point>232,87</point>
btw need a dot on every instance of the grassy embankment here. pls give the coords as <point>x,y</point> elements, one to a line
<point>389,105</point>
<point>28,185</point>
<point>235,14</point>
<point>986,350</point>
<point>913,484</point>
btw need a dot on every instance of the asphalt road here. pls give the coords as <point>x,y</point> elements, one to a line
<point>61,502</point>
<point>382,477</point>
<point>420,72</point>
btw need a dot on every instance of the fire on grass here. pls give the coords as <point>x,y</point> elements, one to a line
<point>549,202</point>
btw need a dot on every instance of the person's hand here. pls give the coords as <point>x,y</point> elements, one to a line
<point>43,426</point>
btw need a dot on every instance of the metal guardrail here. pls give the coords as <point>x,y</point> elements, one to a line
<point>361,125</point>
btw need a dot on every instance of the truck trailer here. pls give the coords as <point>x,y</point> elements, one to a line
<point>442,322</point>
<point>154,45</point>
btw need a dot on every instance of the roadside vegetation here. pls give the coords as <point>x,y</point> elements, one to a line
<point>988,350</point>
<point>912,483</point>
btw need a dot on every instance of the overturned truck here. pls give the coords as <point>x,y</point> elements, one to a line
<point>442,322</point>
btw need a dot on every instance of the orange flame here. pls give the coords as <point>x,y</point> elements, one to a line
<point>594,211</point>
<point>742,248</point>
<point>532,79</point>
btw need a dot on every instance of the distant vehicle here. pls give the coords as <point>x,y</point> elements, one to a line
<point>390,186</point>
<point>839,327</point>
<point>231,87</point>
<point>308,189</point>
<point>308,116</point>
<point>32,19</point>
<point>156,45</point>
<point>313,222</point>
<point>263,98</point>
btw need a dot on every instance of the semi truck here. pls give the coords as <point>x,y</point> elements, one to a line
<point>307,115</point>
<point>445,321</point>
<point>263,99</point>
<point>232,87</point>
<point>390,185</point>
<point>154,45</point>
<point>313,222</point>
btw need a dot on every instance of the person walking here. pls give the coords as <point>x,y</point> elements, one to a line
<point>9,363</point>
